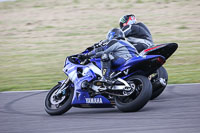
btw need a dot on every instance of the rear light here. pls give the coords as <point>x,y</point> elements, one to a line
<point>161,60</point>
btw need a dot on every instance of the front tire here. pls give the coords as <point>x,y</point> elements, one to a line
<point>139,98</point>
<point>61,104</point>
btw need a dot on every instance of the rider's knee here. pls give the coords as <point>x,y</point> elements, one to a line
<point>105,57</point>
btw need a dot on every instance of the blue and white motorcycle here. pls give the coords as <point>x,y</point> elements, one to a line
<point>130,92</point>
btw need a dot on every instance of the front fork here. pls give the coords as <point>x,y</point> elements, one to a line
<point>62,89</point>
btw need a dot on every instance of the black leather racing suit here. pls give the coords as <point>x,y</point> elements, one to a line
<point>139,35</point>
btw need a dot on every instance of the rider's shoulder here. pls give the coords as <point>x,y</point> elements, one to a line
<point>141,24</point>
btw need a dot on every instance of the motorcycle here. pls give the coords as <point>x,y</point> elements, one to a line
<point>130,92</point>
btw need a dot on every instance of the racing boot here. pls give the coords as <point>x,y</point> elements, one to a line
<point>105,68</point>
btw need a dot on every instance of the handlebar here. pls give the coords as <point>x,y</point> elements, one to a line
<point>75,59</point>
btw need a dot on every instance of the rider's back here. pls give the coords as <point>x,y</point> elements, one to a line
<point>120,48</point>
<point>138,30</point>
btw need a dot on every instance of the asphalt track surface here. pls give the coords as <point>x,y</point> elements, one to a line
<point>177,110</point>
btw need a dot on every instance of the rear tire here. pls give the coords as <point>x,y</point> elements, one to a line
<point>63,106</point>
<point>157,90</point>
<point>137,100</point>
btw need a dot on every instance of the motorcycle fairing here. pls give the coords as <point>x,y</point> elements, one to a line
<point>77,74</point>
<point>82,99</point>
<point>97,62</point>
<point>144,65</point>
<point>165,50</point>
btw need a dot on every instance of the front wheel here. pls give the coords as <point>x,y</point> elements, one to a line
<point>138,99</point>
<point>57,103</point>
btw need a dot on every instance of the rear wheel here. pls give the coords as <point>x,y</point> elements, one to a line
<point>139,98</point>
<point>57,103</point>
<point>159,82</point>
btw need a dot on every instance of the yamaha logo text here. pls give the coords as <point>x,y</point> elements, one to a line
<point>94,100</point>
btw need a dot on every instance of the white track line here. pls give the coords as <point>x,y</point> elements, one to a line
<point>48,90</point>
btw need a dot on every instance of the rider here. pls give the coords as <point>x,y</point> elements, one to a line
<point>115,53</point>
<point>136,33</point>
